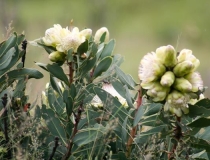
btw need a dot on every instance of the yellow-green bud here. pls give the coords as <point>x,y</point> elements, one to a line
<point>183,68</point>
<point>182,85</point>
<point>167,79</point>
<point>57,56</point>
<point>186,54</point>
<point>18,101</point>
<point>86,32</point>
<point>158,92</point>
<point>99,33</point>
<point>185,109</point>
<point>195,79</point>
<point>167,55</point>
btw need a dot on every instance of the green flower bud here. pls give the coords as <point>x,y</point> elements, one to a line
<point>167,79</point>
<point>183,68</point>
<point>176,102</point>
<point>158,92</point>
<point>99,33</point>
<point>57,56</point>
<point>186,55</point>
<point>182,85</point>
<point>167,55</point>
<point>195,79</point>
<point>86,32</point>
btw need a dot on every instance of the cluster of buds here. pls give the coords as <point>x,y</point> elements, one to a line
<point>64,39</point>
<point>171,78</point>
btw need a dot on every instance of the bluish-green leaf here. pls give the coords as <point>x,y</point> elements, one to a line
<point>57,72</point>
<point>88,135</point>
<point>139,114</point>
<point>42,65</point>
<point>200,123</point>
<point>69,55</point>
<point>108,49</point>
<point>54,85</point>
<point>125,79</point>
<point>124,131</point>
<point>5,59</point>
<point>9,43</point>
<point>54,125</point>
<point>103,65</point>
<point>83,47</point>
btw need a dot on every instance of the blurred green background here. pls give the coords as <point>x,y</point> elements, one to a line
<point>139,27</point>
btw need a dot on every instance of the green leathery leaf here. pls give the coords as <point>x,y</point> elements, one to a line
<point>198,110</point>
<point>139,114</point>
<point>72,91</point>
<point>49,49</point>
<point>103,65</point>
<point>108,49</point>
<point>54,85</point>
<point>118,86</point>
<point>118,109</point>
<point>69,55</point>
<point>9,43</point>
<point>153,109</point>
<point>20,73</point>
<point>54,125</point>
<point>90,64</point>
<point>13,61</point>
<point>85,136</point>
<point>125,79</point>
<point>57,72</point>
<point>200,123</point>
<point>6,59</point>
<point>83,48</point>
<point>124,131</point>
<point>20,38</point>
<point>42,65</point>
<point>68,101</point>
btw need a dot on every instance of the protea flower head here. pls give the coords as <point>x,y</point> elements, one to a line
<point>171,77</point>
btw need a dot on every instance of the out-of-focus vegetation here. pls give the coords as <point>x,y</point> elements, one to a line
<point>138,26</point>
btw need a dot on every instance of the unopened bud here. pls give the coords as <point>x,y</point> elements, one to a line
<point>183,68</point>
<point>195,79</point>
<point>87,33</point>
<point>158,92</point>
<point>167,55</point>
<point>57,56</point>
<point>182,85</point>
<point>186,55</point>
<point>167,79</point>
<point>99,33</point>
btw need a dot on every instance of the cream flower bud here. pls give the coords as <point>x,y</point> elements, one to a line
<point>57,56</point>
<point>195,79</point>
<point>99,33</point>
<point>158,92</point>
<point>186,54</point>
<point>183,68</point>
<point>182,85</point>
<point>176,102</point>
<point>150,69</point>
<point>167,79</point>
<point>167,55</point>
<point>87,33</point>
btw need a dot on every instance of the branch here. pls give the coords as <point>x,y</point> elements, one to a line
<point>54,148</point>
<point>177,136</point>
<point>133,130</point>
<point>24,45</point>
<point>71,72</point>
<point>70,144</point>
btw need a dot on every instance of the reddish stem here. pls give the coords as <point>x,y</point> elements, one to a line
<point>134,129</point>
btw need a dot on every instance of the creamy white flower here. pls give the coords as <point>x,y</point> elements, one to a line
<point>53,36</point>
<point>150,69</point>
<point>71,41</point>
<point>87,33</point>
<point>99,33</point>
